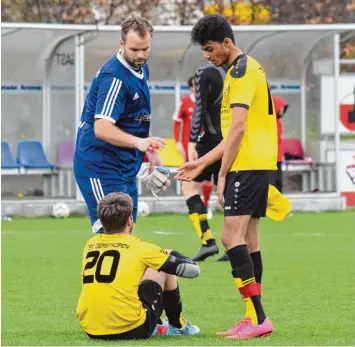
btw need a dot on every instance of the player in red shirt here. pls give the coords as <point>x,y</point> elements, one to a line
<point>281,106</point>
<point>182,119</point>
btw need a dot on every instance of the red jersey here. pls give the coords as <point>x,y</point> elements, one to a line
<point>183,117</point>
<point>281,106</point>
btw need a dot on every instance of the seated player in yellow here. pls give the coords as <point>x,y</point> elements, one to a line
<point>127,282</point>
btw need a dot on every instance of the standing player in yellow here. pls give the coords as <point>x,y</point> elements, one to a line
<point>249,154</point>
<point>128,282</point>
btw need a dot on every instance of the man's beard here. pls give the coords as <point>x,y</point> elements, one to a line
<point>130,62</point>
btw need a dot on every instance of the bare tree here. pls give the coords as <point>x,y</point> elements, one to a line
<point>178,12</point>
<point>316,12</point>
<point>117,10</point>
<point>311,11</point>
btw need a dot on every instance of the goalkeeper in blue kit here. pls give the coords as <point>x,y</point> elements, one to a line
<point>114,130</point>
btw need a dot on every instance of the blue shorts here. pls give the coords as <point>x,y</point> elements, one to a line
<point>94,189</point>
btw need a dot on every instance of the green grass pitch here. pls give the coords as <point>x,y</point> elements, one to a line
<point>308,284</point>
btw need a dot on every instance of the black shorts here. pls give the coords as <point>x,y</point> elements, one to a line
<point>209,171</point>
<point>246,193</point>
<point>151,295</point>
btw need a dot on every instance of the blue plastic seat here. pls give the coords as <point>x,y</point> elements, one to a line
<point>30,155</point>
<point>7,160</point>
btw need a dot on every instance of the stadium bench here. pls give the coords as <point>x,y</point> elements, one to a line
<point>31,156</point>
<point>304,165</point>
<point>8,162</point>
<point>33,161</point>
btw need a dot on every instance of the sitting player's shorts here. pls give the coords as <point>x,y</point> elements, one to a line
<point>151,295</point>
<point>209,171</point>
<point>246,193</point>
<point>94,189</point>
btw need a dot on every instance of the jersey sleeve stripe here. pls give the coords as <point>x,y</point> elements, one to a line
<point>240,105</point>
<point>99,191</point>
<point>100,187</point>
<point>114,99</point>
<point>110,97</point>
<point>113,84</point>
<point>93,186</point>
<point>105,117</point>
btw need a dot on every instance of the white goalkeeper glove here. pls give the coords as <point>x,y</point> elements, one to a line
<point>156,181</point>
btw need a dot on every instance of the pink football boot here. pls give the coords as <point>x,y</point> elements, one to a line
<point>247,330</point>
<point>234,329</point>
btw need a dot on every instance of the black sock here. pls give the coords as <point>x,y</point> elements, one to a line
<point>198,217</point>
<point>173,307</point>
<point>258,268</point>
<point>210,242</point>
<point>243,273</point>
<point>258,265</point>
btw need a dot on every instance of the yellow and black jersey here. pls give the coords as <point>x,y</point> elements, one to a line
<point>113,266</point>
<point>246,86</point>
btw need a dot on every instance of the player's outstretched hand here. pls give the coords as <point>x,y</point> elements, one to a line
<point>189,171</point>
<point>150,144</point>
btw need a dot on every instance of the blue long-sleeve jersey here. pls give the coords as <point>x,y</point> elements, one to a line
<point>120,95</point>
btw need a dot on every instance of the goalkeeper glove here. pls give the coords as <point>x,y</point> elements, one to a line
<point>156,181</point>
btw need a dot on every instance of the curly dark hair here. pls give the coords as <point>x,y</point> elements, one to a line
<point>213,27</point>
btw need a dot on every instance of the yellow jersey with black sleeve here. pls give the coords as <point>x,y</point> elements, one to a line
<point>113,266</point>
<point>246,86</point>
